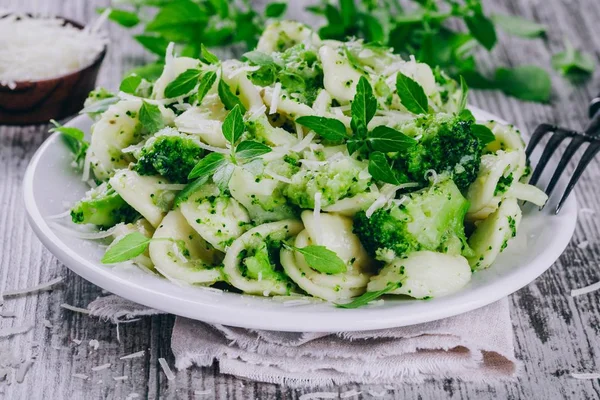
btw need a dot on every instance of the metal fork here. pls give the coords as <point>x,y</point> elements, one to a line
<point>590,135</point>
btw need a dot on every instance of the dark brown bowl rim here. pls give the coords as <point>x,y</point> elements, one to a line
<point>26,84</point>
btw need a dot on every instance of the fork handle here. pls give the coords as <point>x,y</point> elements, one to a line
<point>593,127</point>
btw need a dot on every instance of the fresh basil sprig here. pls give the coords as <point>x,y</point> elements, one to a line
<point>126,248</point>
<point>320,258</point>
<point>368,297</point>
<point>412,96</point>
<point>151,117</point>
<point>183,84</point>
<point>74,138</point>
<point>130,84</point>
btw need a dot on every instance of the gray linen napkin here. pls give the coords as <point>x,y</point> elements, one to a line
<point>476,346</point>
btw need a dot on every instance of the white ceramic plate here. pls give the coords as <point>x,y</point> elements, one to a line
<point>51,185</point>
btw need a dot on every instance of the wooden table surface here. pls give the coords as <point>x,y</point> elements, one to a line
<point>555,334</point>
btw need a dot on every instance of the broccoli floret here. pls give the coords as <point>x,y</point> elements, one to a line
<point>104,207</point>
<point>446,145</point>
<point>429,219</point>
<point>335,180</point>
<point>503,184</point>
<point>172,155</point>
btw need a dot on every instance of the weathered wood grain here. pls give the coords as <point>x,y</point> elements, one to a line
<point>554,333</point>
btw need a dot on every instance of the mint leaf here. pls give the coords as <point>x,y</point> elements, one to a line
<point>573,63</point>
<point>206,83</point>
<point>328,128</point>
<point>380,169</point>
<point>124,18</point>
<point>412,96</point>
<point>249,149</point>
<point>206,56</point>
<point>518,26</point>
<point>368,297</point>
<point>464,93</point>
<point>150,72</point>
<point>348,12</point>
<point>126,248</point>
<point>222,176</point>
<point>483,133</point>
<point>526,82</point>
<point>183,84</point>
<point>321,259</point>
<point>155,44</point>
<point>275,10</point>
<point>190,189</point>
<point>233,125</point>
<point>151,117</point>
<point>176,15</point>
<point>207,166</point>
<point>73,133</point>
<point>229,99</point>
<point>364,104</point>
<point>130,84</point>
<point>259,58</point>
<point>387,140</point>
<point>482,29</point>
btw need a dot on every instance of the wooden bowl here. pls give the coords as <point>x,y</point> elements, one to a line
<point>36,102</point>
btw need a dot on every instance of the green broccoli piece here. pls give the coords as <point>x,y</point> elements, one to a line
<point>104,207</point>
<point>170,155</point>
<point>503,184</point>
<point>429,219</point>
<point>447,145</point>
<point>335,180</point>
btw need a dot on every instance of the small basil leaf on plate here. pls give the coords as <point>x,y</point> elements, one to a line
<point>412,96</point>
<point>223,174</point>
<point>328,128</point>
<point>229,99</point>
<point>249,149</point>
<point>233,125</point>
<point>207,80</point>
<point>259,58</point>
<point>321,259</point>
<point>207,56</point>
<point>183,84</point>
<point>464,93</point>
<point>275,10</point>
<point>151,117</point>
<point>483,133</point>
<point>190,189</point>
<point>518,26</point>
<point>364,104</point>
<point>126,248</point>
<point>526,82</point>
<point>368,297</point>
<point>380,169</point>
<point>73,133</point>
<point>130,84</point>
<point>386,139</point>
<point>207,166</point>
<point>155,44</point>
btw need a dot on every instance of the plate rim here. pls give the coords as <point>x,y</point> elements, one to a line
<point>269,319</point>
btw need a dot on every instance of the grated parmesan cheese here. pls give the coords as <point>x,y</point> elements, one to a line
<point>80,376</point>
<point>202,392</point>
<point>349,393</point>
<point>38,288</point>
<point>317,215</point>
<point>590,375</point>
<point>120,378</point>
<point>591,288</point>
<point>33,49</point>
<point>166,369</point>
<point>275,98</point>
<point>94,344</point>
<point>319,395</point>
<point>583,245</point>
<point>102,367</point>
<point>76,309</point>
<point>138,354</point>
<point>14,330</point>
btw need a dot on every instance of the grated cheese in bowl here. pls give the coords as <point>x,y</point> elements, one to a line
<point>33,49</point>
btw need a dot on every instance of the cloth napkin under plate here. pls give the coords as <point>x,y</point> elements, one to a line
<point>476,346</point>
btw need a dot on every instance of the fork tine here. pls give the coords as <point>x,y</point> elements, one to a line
<point>537,135</point>
<point>564,161</point>
<point>551,146</point>
<point>588,156</point>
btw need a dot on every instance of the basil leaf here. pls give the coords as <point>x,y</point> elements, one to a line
<point>373,29</point>
<point>386,139</point>
<point>175,15</point>
<point>482,29</point>
<point>464,93</point>
<point>190,189</point>
<point>483,133</point>
<point>130,84</point>
<point>124,18</point>
<point>150,72</point>
<point>518,26</point>
<point>368,297</point>
<point>73,133</point>
<point>222,176</point>
<point>155,44</point>
<point>207,56</point>
<point>412,96</point>
<point>151,117</point>
<point>207,166</point>
<point>364,104</point>
<point>206,83</point>
<point>348,11</point>
<point>466,115</point>
<point>233,125</point>
<point>573,63</point>
<point>355,144</point>
<point>328,128</point>
<point>275,10</point>
<point>321,259</point>
<point>526,82</point>
<point>249,149</point>
<point>380,169</point>
<point>128,247</point>
<point>259,58</point>
<point>183,84</point>
<point>229,99</point>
